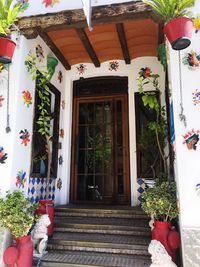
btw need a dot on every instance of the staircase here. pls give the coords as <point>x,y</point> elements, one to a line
<point>98,237</point>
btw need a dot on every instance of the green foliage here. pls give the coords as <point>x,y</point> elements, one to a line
<point>161,201</point>
<point>16,213</point>
<point>8,15</point>
<point>169,9</point>
<point>162,55</point>
<point>151,100</point>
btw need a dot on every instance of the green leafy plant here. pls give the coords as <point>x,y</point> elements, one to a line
<point>8,15</point>
<point>151,99</point>
<point>169,9</point>
<point>160,202</point>
<point>44,119</point>
<point>16,213</point>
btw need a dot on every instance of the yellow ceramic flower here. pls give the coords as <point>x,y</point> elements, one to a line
<point>196,22</point>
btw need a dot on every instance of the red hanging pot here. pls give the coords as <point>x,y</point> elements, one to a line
<point>7,47</point>
<point>179,31</point>
<point>46,207</point>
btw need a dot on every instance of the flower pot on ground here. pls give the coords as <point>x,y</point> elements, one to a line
<point>17,214</point>
<point>160,203</point>
<point>8,16</point>
<point>178,27</point>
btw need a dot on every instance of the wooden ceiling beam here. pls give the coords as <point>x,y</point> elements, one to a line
<point>54,49</point>
<point>115,13</point>
<point>123,42</point>
<point>90,50</point>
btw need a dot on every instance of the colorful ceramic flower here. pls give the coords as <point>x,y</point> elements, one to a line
<point>25,137</point>
<point>59,184</point>
<point>192,59</point>
<point>24,3</point>
<point>3,155</point>
<point>145,72</point>
<point>191,139</point>
<point>26,95</point>
<point>1,100</point>
<point>196,23</point>
<point>50,3</point>
<point>196,97</point>
<point>81,69</point>
<point>20,179</point>
<point>39,53</point>
<point>60,76</point>
<point>113,65</point>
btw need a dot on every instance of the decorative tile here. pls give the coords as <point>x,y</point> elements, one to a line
<point>113,65</point>
<point>140,189</point>
<point>196,97</point>
<point>3,155</point>
<point>27,98</point>
<point>37,189</point>
<point>191,139</point>
<point>20,179</point>
<point>60,160</point>
<point>25,137</point>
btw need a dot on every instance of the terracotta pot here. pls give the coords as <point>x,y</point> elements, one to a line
<point>179,31</point>
<point>7,47</point>
<point>46,207</point>
<point>169,237</point>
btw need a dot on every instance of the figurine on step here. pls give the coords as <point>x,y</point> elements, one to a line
<point>40,236</point>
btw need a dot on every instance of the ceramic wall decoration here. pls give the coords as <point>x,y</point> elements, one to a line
<point>27,98</point>
<point>3,155</point>
<point>59,184</point>
<point>20,179</point>
<point>1,67</point>
<point>60,76</point>
<point>196,23</point>
<point>145,72</point>
<point>50,3</point>
<point>192,60</point>
<point>81,69</point>
<point>62,133</point>
<point>25,137</point>
<point>1,100</point>
<point>113,65</point>
<point>191,139</point>
<point>196,97</point>
<point>25,4</point>
<point>39,53</point>
<point>60,160</point>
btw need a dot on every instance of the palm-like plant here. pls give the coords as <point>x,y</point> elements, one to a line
<point>169,9</point>
<point>8,15</point>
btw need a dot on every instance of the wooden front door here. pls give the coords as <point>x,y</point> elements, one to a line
<point>100,161</point>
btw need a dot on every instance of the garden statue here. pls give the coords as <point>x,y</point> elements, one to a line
<point>159,255</point>
<point>40,235</point>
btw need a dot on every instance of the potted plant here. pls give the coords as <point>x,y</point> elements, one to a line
<point>178,27</point>
<point>8,16</point>
<point>17,214</point>
<point>44,126</point>
<point>160,203</point>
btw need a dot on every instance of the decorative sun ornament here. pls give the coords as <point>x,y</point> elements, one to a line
<point>191,139</point>
<point>113,65</point>
<point>50,3</point>
<point>196,23</point>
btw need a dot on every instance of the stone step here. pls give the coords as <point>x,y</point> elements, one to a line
<point>109,212</point>
<point>100,243</point>
<point>103,229</point>
<point>92,259</point>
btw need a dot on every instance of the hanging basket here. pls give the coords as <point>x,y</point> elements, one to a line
<point>179,31</point>
<point>7,47</point>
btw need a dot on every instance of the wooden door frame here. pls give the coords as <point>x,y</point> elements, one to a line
<point>126,158</point>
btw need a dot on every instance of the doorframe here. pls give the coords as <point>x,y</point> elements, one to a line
<point>75,112</point>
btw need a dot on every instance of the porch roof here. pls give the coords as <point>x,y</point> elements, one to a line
<point>120,31</point>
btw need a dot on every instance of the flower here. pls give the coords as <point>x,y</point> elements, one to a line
<point>196,23</point>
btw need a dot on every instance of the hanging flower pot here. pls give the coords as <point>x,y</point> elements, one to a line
<point>7,47</point>
<point>179,31</point>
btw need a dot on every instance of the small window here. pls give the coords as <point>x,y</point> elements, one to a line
<point>39,160</point>
<point>149,163</point>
